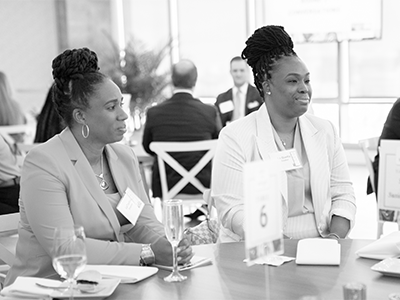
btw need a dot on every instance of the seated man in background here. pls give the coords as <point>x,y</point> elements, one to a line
<point>242,98</point>
<point>181,118</point>
<point>10,172</point>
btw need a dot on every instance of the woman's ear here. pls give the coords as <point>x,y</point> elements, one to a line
<point>266,87</point>
<point>79,116</point>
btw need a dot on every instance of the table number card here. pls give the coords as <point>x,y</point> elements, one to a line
<point>263,210</point>
<point>389,179</point>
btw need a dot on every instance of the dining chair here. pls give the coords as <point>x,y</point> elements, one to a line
<point>8,240</point>
<point>163,150</point>
<point>369,148</point>
<point>8,130</point>
<point>24,148</point>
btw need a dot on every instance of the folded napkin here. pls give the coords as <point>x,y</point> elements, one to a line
<point>385,247</point>
<point>26,288</point>
<point>272,260</point>
<point>197,261</point>
<point>127,274</point>
<point>317,251</point>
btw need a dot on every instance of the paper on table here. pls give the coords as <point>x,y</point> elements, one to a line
<point>197,261</point>
<point>127,274</point>
<point>25,287</point>
<point>386,247</point>
<point>317,251</point>
<point>272,260</point>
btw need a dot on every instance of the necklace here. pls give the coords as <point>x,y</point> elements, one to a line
<point>286,139</point>
<point>103,184</point>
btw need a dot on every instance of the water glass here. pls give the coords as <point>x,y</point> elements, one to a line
<point>69,253</point>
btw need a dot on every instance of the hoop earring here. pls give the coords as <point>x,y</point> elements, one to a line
<point>85,136</point>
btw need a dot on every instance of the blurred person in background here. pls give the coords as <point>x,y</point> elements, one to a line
<point>181,118</point>
<point>83,172</point>
<point>10,172</point>
<point>318,197</point>
<point>10,110</point>
<point>242,98</point>
<point>49,122</point>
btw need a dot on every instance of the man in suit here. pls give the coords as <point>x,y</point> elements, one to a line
<point>181,118</point>
<point>242,98</point>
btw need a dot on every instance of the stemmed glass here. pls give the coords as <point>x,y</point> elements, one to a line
<point>173,225</point>
<point>69,253</point>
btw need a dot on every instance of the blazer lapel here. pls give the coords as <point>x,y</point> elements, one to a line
<point>315,146</point>
<point>266,143</point>
<point>88,178</point>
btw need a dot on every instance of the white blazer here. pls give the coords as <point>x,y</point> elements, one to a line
<point>250,139</point>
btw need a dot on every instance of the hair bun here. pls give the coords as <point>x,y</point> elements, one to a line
<point>73,64</point>
<point>270,40</point>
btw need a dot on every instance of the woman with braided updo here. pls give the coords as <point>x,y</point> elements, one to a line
<point>80,175</point>
<point>318,197</point>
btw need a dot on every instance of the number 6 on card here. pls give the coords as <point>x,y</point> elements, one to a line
<point>262,209</point>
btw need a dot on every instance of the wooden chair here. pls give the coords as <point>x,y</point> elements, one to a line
<point>8,240</point>
<point>369,148</point>
<point>162,149</point>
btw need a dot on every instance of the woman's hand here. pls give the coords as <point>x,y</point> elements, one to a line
<point>185,252</point>
<point>163,251</point>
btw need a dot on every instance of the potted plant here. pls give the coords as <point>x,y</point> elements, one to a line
<point>137,71</point>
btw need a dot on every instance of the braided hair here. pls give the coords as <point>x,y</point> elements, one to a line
<point>76,74</point>
<point>263,49</point>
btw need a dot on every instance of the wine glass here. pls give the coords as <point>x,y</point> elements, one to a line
<point>173,225</point>
<point>69,253</point>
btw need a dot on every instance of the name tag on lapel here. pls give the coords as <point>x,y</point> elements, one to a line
<point>226,106</point>
<point>253,104</point>
<point>130,206</point>
<point>288,159</point>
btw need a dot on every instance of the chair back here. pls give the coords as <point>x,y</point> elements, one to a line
<point>25,148</point>
<point>162,149</point>
<point>369,146</point>
<point>8,130</point>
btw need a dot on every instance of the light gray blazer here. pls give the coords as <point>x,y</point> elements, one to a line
<point>58,187</point>
<point>251,139</point>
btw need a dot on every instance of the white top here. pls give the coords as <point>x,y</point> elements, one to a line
<point>252,139</point>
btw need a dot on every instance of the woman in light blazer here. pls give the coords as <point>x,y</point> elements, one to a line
<point>318,198</point>
<point>80,175</point>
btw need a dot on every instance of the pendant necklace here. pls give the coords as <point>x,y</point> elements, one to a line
<point>103,184</point>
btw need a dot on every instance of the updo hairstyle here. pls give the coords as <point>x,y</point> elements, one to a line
<point>266,45</point>
<point>76,75</point>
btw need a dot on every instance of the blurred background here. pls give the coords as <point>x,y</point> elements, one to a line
<point>351,47</point>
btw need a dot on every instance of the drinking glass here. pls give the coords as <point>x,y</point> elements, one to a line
<point>173,225</point>
<point>69,253</point>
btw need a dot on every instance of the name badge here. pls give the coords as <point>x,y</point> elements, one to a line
<point>253,104</point>
<point>288,159</point>
<point>130,206</point>
<point>226,106</point>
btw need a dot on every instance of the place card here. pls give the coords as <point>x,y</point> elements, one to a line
<point>263,210</point>
<point>317,251</point>
<point>389,177</point>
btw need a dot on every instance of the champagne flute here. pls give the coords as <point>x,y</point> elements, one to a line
<point>173,225</point>
<point>69,253</point>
